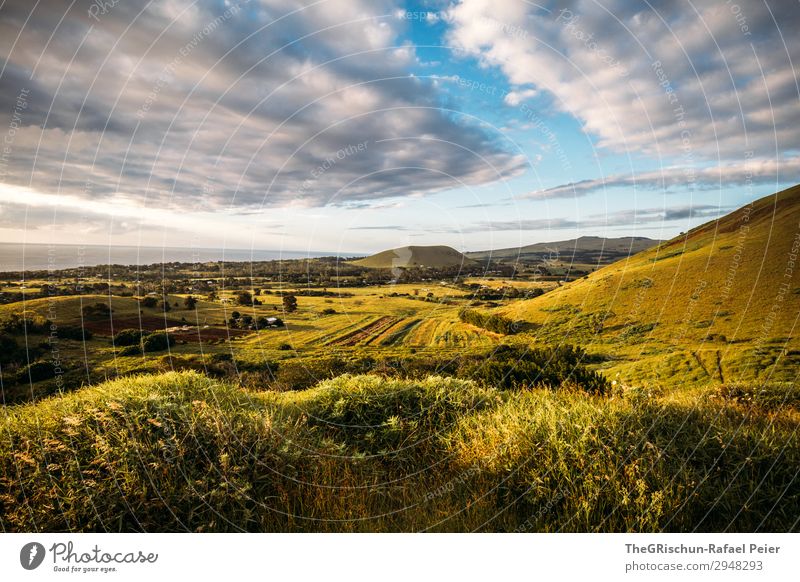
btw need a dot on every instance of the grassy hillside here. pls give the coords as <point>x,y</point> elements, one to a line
<point>180,451</point>
<point>416,256</point>
<point>718,303</point>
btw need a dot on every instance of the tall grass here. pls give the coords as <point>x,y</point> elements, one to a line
<point>182,452</point>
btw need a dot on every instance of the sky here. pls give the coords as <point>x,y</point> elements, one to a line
<point>352,126</point>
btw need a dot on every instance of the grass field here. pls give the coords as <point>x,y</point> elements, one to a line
<point>182,452</point>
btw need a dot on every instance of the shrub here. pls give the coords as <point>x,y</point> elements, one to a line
<point>149,302</point>
<point>156,342</point>
<point>128,337</point>
<point>553,367</point>
<point>36,372</point>
<point>96,311</point>
<point>8,348</point>
<point>135,350</point>
<point>491,322</point>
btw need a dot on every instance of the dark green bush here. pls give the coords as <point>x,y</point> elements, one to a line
<point>97,310</point>
<point>156,342</point>
<point>131,350</point>
<point>128,337</point>
<point>36,372</point>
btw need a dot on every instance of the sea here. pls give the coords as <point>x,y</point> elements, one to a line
<point>37,257</point>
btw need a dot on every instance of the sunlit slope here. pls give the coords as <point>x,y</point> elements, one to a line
<point>416,256</point>
<point>731,281</point>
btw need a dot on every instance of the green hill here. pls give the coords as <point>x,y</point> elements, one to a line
<point>585,249</point>
<point>726,294</point>
<point>416,256</point>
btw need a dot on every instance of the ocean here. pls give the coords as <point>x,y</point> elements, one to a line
<point>33,257</point>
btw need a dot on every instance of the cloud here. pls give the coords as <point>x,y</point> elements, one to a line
<point>208,105</point>
<point>377,227</point>
<point>514,98</point>
<point>633,217</point>
<point>683,179</point>
<point>667,79</point>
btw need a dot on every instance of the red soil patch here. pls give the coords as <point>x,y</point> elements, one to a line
<point>145,323</point>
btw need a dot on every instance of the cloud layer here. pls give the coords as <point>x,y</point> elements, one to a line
<point>692,83</point>
<point>207,105</point>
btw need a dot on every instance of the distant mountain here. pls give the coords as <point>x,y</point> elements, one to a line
<point>416,256</point>
<point>586,249</point>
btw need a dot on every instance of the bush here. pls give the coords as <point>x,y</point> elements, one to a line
<point>135,350</point>
<point>149,302</point>
<point>128,337</point>
<point>553,367</point>
<point>96,311</point>
<point>36,372</point>
<point>156,342</point>
<point>491,322</point>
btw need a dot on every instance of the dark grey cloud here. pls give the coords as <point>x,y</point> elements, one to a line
<point>233,104</point>
<point>633,217</point>
<point>751,172</point>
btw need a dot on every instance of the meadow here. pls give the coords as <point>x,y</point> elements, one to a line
<point>656,393</point>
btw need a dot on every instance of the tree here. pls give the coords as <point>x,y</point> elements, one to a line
<point>149,302</point>
<point>190,302</point>
<point>244,298</point>
<point>289,303</point>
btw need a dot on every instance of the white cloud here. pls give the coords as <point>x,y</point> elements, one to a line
<point>662,80</point>
<point>684,179</point>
